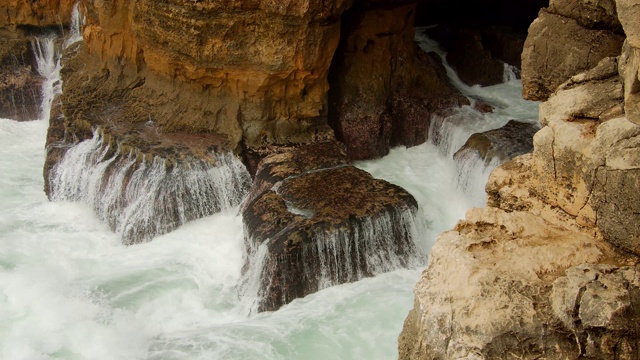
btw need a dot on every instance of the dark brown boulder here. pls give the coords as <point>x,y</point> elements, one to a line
<point>313,221</point>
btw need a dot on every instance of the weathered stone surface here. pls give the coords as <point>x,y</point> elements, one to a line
<point>392,107</point>
<point>591,298</point>
<point>593,95</point>
<point>250,71</point>
<point>487,292</point>
<point>35,13</point>
<point>628,13</point>
<point>558,48</point>
<point>592,14</point>
<point>20,83</point>
<point>506,283</point>
<point>323,222</point>
<point>513,139</point>
<point>629,68</point>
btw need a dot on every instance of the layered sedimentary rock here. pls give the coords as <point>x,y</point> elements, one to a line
<point>313,221</point>
<point>40,13</point>
<point>20,82</point>
<point>550,268</point>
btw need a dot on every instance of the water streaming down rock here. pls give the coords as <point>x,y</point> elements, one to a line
<point>332,255</point>
<point>145,196</point>
<point>47,57</point>
<point>313,221</point>
<point>75,27</point>
<point>449,132</point>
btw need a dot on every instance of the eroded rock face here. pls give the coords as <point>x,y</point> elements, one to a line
<point>250,71</point>
<point>559,47</point>
<point>550,268</point>
<point>384,89</point>
<point>313,221</point>
<point>492,289</point>
<point>40,13</point>
<point>20,83</point>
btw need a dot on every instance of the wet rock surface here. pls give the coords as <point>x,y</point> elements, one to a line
<point>313,221</point>
<point>20,83</point>
<point>372,113</point>
<point>505,143</point>
<point>549,269</point>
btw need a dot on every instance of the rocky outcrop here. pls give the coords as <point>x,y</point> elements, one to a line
<point>20,83</point>
<point>21,23</point>
<point>314,221</point>
<point>35,13</point>
<point>393,107</point>
<point>567,38</point>
<point>505,143</point>
<point>550,268</point>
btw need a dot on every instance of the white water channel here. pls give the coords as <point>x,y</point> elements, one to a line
<point>69,289</point>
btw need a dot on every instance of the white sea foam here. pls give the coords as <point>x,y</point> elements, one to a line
<point>70,290</point>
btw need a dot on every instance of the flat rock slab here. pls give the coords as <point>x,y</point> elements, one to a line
<point>308,228</point>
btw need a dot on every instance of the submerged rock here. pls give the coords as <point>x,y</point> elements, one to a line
<point>505,143</point>
<point>313,221</point>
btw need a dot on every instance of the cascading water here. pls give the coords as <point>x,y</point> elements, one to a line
<point>144,198</point>
<point>48,61</point>
<point>69,289</point>
<point>75,27</point>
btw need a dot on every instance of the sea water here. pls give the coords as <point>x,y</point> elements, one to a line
<point>69,289</point>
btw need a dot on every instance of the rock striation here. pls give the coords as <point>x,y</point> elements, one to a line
<point>550,268</point>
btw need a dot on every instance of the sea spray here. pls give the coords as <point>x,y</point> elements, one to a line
<point>141,196</point>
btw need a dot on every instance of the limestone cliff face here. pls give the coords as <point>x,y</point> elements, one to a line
<point>550,268</point>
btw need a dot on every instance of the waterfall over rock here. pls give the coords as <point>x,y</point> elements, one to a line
<point>145,196</point>
<point>317,223</point>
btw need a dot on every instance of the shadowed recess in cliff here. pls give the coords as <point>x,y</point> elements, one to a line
<point>145,196</point>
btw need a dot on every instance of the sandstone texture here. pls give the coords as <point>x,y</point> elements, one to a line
<point>313,221</point>
<point>38,13</point>
<point>550,268</point>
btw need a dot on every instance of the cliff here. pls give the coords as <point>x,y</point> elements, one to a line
<point>549,269</point>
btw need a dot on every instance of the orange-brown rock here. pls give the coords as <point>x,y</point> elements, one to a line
<point>252,71</point>
<point>35,12</point>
